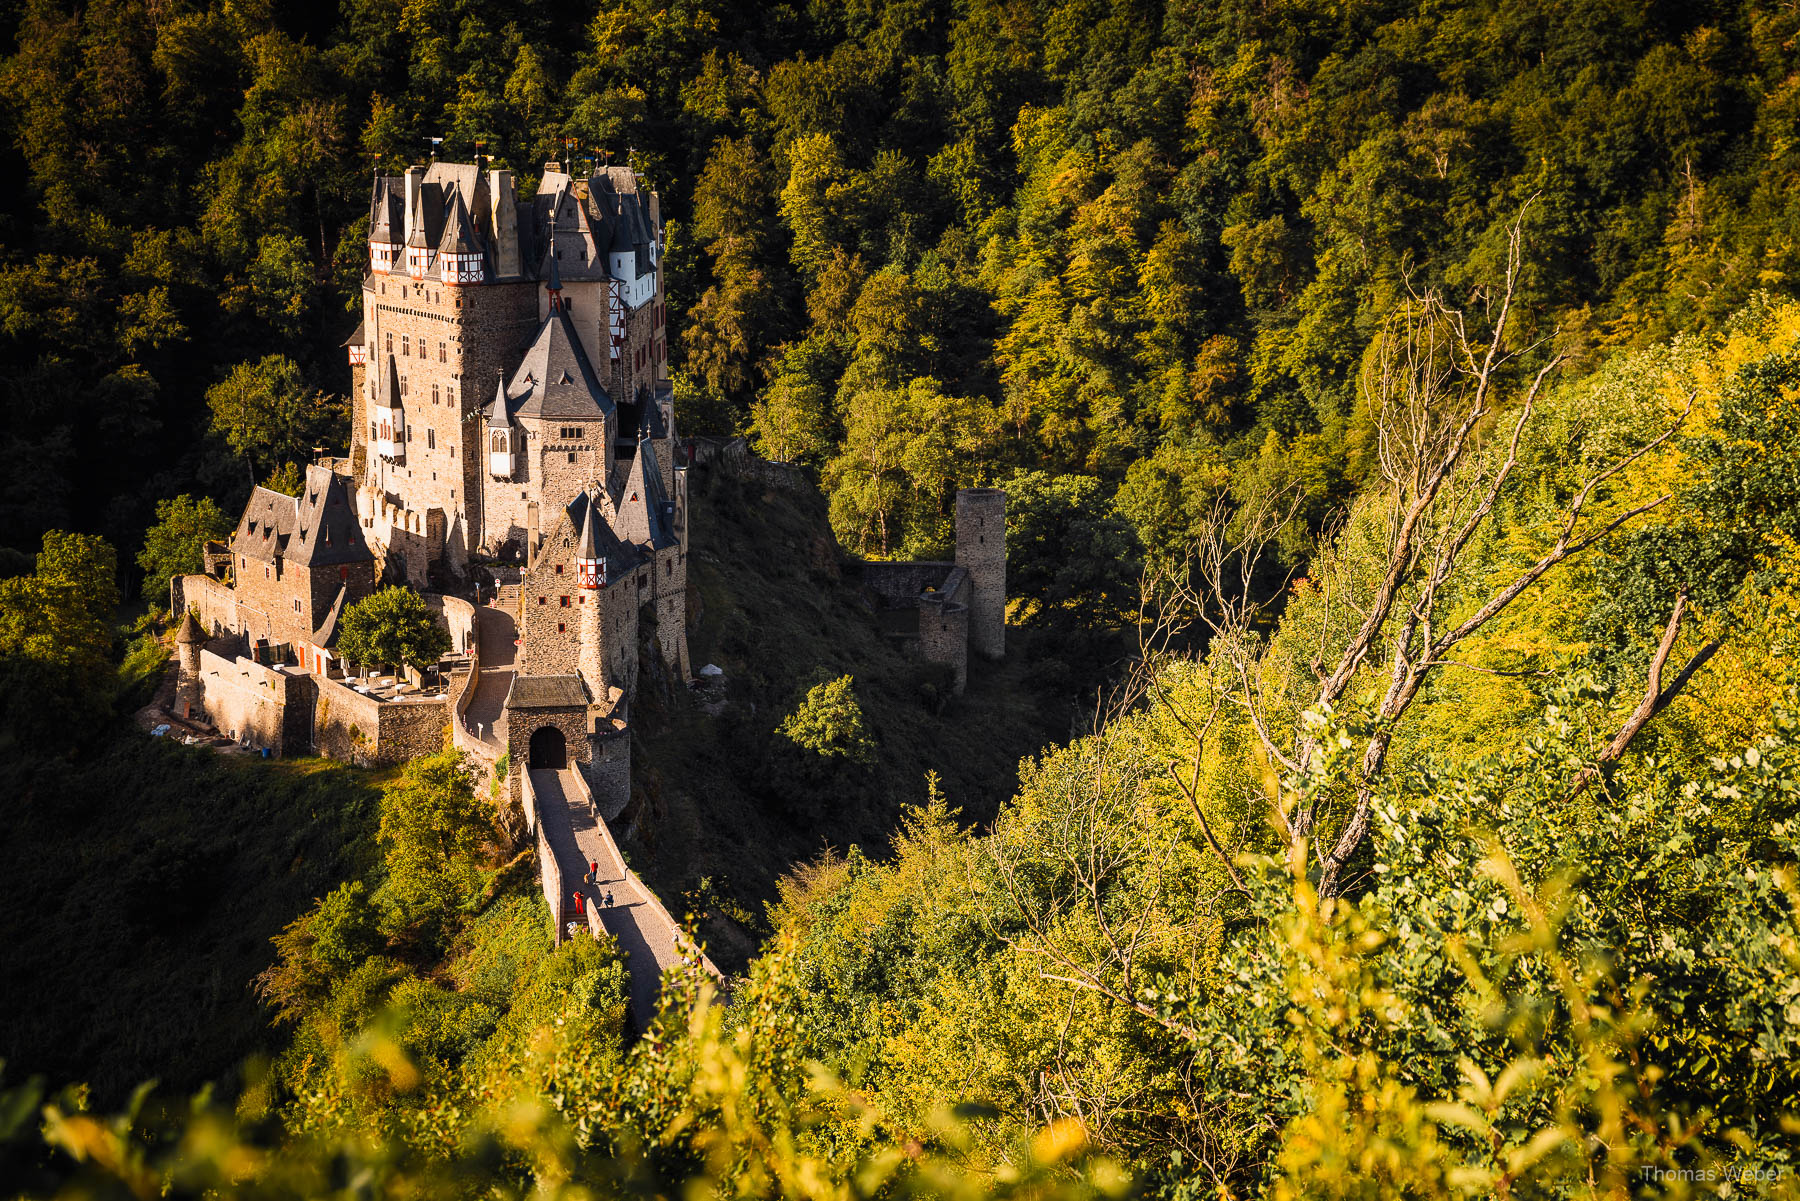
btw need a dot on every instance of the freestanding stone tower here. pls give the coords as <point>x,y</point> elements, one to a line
<point>981,551</point>
<point>188,641</point>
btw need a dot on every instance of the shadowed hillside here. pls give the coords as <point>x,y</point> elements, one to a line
<point>139,889</point>
<point>721,794</point>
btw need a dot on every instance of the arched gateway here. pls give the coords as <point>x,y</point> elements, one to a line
<point>549,748</point>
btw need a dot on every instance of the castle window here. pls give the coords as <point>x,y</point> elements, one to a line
<point>390,342</point>
<point>431,443</point>
<point>565,602</point>
<point>542,599</point>
<point>296,604</point>
<point>571,456</point>
<point>442,353</point>
<point>499,442</point>
<point>434,394</point>
<point>562,627</point>
<point>559,568</point>
<point>343,573</point>
<point>405,342</point>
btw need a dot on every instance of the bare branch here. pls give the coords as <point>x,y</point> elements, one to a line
<point>1656,697</point>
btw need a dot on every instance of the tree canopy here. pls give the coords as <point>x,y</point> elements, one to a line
<point>391,626</point>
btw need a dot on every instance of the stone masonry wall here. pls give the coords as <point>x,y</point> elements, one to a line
<point>346,724</point>
<point>608,771</point>
<point>550,607</point>
<point>456,340</point>
<point>212,600</point>
<point>944,637</point>
<point>356,728</point>
<point>245,700</point>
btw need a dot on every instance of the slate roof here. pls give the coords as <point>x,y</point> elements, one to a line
<point>318,528</point>
<point>555,379</point>
<point>459,229</point>
<point>646,514</point>
<point>190,631</point>
<point>387,209</point>
<point>498,415</point>
<point>618,557</point>
<point>329,532</point>
<point>326,634</point>
<point>267,523</point>
<point>546,692</point>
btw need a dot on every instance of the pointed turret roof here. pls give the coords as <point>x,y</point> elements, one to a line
<point>555,379</point>
<point>586,549</point>
<point>418,221</point>
<point>497,415</point>
<point>190,631</point>
<point>459,231</point>
<point>588,513</point>
<point>555,281</point>
<point>387,210</point>
<point>646,515</point>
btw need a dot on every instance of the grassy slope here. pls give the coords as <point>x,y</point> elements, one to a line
<point>775,614</point>
<point>139,888</point>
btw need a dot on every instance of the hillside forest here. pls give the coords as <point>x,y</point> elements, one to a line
<point>1399,406</point>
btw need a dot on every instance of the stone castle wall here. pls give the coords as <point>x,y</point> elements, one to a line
<point>944,637</point>
<point>249,702</point>
<point>356,728</point>
<point>608,771</point>
<point>212,600</point>
<point>550,602</point>
<point>456,341</point>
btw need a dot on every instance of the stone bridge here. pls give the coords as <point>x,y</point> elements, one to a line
<point>571,836</point>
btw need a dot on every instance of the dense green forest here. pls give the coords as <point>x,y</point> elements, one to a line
<point>913,245</point>
<point>1414,387</point>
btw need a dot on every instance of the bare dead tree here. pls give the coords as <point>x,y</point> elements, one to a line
<point>1435,389</point>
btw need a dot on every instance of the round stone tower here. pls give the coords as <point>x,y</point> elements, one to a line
<point>981,551</point>
<point>188,641</point>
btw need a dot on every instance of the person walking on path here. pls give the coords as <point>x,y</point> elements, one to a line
<point>594,870</point>
<point>578,903</point>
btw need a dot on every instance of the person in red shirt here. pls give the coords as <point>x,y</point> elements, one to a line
<point>578,903</point>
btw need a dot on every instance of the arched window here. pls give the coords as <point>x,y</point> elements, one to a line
<point>499,442</point>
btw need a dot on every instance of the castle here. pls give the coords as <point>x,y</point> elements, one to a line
<point>513,457</point>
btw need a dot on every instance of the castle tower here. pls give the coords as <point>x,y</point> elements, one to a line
<point>981,551</point>
<point>590,577</point>
<point>188,641</point>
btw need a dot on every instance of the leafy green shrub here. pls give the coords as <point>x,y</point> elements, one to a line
<point>829,722</point>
